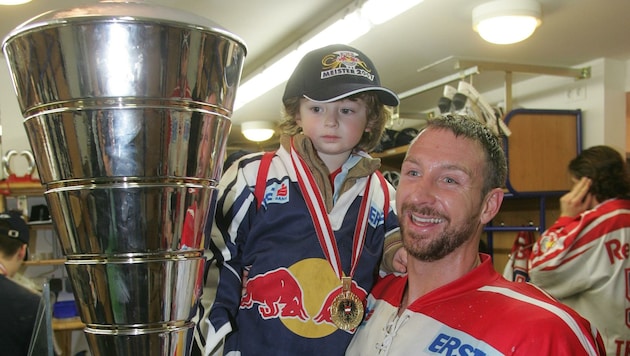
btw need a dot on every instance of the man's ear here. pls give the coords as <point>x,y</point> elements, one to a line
<point>22,252</point>
<point>491,205</point>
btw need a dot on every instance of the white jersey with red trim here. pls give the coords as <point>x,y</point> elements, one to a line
<point>481,313</point>
<point>583,261</point>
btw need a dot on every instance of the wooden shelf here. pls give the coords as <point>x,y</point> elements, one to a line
<point>40,225</point>
<point>17,188</point>
<point>392,158</point>
<point>67,324</point>
<point>401,150</point>
<point>59,261</point>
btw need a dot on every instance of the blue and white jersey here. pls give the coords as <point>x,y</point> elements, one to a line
<point>284,309</point>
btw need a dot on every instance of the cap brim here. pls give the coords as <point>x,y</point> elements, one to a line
<point>330,94</point>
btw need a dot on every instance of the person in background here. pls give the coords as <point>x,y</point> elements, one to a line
<point>582,259</point>
<point>18,305</point>
<point>452,301</point>
<point>310,244</point>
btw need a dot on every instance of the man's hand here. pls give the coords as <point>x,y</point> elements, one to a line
<point>578,199</point>
<point>400,260</point>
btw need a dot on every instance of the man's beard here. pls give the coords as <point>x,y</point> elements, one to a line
<point>427,249</point>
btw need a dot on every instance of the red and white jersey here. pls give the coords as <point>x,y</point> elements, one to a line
<point>583,261</point>
<point>481,313</point>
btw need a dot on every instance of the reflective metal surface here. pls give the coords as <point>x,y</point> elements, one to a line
<point>164,341</point>
<point>127,108</point>
<point>136,292</point>
<point>104,219</point>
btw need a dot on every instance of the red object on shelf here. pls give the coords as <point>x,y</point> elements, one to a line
<point>18,182</point>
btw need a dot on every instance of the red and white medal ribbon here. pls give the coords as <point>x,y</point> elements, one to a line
<point>317,210</point>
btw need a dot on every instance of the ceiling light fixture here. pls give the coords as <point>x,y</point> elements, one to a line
<point>13,2</point>
<point>506,21</point>
<point>350,24</point>
<point>257,131</point>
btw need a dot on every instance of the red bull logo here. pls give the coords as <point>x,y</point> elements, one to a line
<point>277,294</point>
<point>300,296</point>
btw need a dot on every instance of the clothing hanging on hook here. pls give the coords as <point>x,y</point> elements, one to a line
<point>516,268</point>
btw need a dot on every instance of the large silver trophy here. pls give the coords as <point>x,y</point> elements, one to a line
<point>127,109</point>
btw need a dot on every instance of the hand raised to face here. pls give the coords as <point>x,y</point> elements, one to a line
<point>578,199</point>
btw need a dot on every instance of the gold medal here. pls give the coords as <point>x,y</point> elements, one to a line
<point>346,310</point>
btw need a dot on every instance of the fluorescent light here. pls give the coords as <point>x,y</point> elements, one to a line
<point>269,78</point>
<point>381,11</point>
<point>13,2</point>
<point>346,30</point>
<point>353,25</point>
<point>506,21</point>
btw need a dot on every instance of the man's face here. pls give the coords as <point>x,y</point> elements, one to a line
<point>438,198</point>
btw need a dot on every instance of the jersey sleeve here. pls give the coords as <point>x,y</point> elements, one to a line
<point>230,224</point>
<point>561,257</point>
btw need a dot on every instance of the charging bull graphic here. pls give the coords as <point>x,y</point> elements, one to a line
<point>277,293</point>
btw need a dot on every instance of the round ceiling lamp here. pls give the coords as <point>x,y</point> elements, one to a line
<point>258,131</point>
<point>506,21</point>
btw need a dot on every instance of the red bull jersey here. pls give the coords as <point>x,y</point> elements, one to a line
<point>583,261</point>
<point>478,314</point>
<point>285,307</point>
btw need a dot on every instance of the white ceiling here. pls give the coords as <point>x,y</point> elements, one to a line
<point>573,32</point>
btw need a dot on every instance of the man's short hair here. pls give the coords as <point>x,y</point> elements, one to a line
<point>14,232</point>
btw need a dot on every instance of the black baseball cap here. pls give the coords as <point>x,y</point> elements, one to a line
<point>14,227</point>
<point>336,72</point>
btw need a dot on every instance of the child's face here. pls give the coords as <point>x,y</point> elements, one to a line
<point>335,128</point>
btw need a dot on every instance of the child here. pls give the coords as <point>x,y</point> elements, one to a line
<point>305,225</point>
